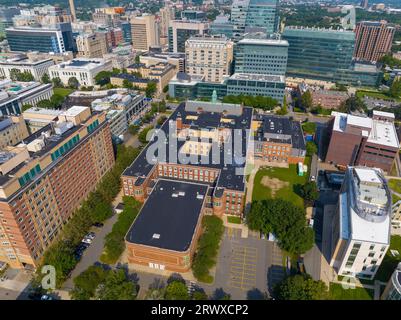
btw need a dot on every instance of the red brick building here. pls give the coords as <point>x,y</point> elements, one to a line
<point>44,180</point>
<point>363,141</point>
<point>373,40</point>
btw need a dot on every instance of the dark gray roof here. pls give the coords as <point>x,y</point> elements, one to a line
<point>166,221</point>
<point>229,176</point>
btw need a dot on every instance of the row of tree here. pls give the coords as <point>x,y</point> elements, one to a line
<point>101,284</point>
<point>114,242</point>
<point>208,247</point>
<point>265,103</point>
<point>96,208</point>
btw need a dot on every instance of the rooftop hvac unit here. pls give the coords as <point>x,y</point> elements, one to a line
<point>36,145</point>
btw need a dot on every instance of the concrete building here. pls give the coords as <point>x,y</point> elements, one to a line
<point>108,16</point>
<point>56,57</point>
<point>83,69</point>
<point>23,64</point>
<point>373,40</point>
<point>52,38</point>
<point>72,10</point>
<point>37,118</point>
<point>45,179</point>
<point>222,26</point>
<point>164,236</point>
<point>364,141</point>
<point>121,57</point>
<point>223,177</point>
<point>209,56</point>
<point>278,140</point>
<point>175,59</point>
<point>12,130</point>
<point>122,108</point>
<point>260,55</point>
<point>361,225</point>
<point>144,32</point>
<point>393,288</point>
<point>181,30</point>
<point>91,46</point>
<point>13,95</point>
<point>138,83</point>
<point>166,14</point>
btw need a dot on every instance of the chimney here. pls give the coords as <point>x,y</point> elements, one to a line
<point>72,10</point>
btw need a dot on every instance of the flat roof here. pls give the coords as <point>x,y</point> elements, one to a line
<point>268,42</point>
<point>169,217</point>
<point>258,77</point>
<point>74,111</point>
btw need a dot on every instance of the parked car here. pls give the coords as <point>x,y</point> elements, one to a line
<point>90,235</point>
<point>46,297</point>
<point>98,224</point>
<point>87,240</point>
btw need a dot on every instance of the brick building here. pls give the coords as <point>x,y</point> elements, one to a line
<point>373,40</point>
<point>204,131</point>
<point>43,181</point>
<point>278,139</point>
<point>364,141</point>
<point>165,233</point>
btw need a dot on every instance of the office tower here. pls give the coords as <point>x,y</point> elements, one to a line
<point>364,4</point>
<point>166,15</point>
<point>126,28</point>
<point>6,18</point>
<point>108,16</point>
<point>45,179</point>
<point>222,25</point>
<point>210,56</point>
<point>261,56</point>
<point>318,53</point>
<point>357,140</point>
<point>254,15</point>
<point>144,32</point>
<point>57,38</point>
<point>91,45</point>
<point>361,224</point>
<point>181,30</point>
<point>72,10</point>
<point>373,40</point>
<point>393,287</point>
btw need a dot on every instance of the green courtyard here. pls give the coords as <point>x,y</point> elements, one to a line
<point>337,292</point>
<point>281,183</point>
<point>390,262</point>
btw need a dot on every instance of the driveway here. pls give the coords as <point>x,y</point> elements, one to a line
<point>93,253</point>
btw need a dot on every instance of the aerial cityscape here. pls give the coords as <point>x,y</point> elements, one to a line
<point>204,150</point>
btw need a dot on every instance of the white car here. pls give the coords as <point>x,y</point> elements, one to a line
<point>87,240</point>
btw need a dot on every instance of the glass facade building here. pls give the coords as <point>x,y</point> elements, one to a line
<point>254,15</point>
<point>261,56</point>
<point>46,40</point>
<point>126,28</point>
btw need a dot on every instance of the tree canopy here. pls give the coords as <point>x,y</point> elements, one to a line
<point>176,290</point>
<point>265,103</point>
<point>285,220</point>
<point>309,191</point>
<point>301,287</point>
<point>395,89</point>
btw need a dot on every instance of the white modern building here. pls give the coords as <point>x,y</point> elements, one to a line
<point>37,67</point>
<point>83,69</point>
<point>361,225</point>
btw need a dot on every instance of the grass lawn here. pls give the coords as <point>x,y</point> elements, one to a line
<point>288,175</point>
<point>395,198</point>
<point>337,292</point>
<point>62,91</point>
<point>231,219</point>
<point>395,185</point>
<point>389,263</point>
<point>374,94</point>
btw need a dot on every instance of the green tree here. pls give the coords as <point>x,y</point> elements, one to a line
<point>46,103</point>
<point>306,100</point>
<point>57,83</point>
<point>17,75</point>
<point>142,135</point>
<point>150,90</point>
<point>395,89</point>
<point>73,83</point>
<point>87,282</point>
<point>56,100</point>
<point>45,78</point>
<point>285,220</point>
<point>311,148</point>
<point>137,59</point>
<point>103,78</point>
<point>352,104</point>
<point>309,191</point>
<point>117,287</point>
<point>165,89</point>
<point>301,287</point>
<point>309,127</point>
<point>127,84</point>
<point>176,290</point>
<point>199,295</point>
<point>133,129</point>
<point>26,106</point>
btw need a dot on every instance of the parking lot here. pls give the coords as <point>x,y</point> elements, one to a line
<point>243,267</point>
